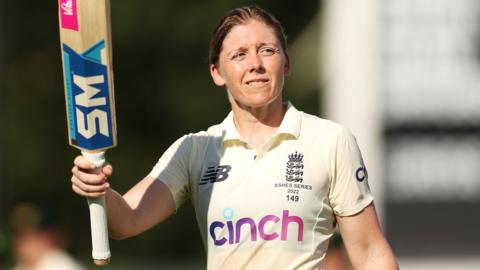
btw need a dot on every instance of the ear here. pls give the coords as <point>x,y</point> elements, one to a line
<point>216,75</point>
<point>286,67</point>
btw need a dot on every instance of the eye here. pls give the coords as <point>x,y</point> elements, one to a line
<point>238,56</point>
<point>267,51</point>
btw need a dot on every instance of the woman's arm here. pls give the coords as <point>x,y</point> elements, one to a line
<point>146,204</point>
<point>366,246</point>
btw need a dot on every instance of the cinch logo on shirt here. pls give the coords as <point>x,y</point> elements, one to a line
<point>361,173</point>
<point>215,174</point>
<point>234,228</point>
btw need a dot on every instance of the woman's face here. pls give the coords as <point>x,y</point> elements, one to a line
<point>252,65</point>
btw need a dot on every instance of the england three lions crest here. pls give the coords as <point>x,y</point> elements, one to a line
<point>294,172</point>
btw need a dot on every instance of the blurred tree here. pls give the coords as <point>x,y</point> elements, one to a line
<point>3,239</point>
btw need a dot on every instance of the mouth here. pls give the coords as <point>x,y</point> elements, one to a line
<point>257,82</point>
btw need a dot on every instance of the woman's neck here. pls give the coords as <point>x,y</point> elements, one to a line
<point>257,125</point>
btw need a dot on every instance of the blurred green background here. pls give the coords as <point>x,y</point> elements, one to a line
<point>163,90</point>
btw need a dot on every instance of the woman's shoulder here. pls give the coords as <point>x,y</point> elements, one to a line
<point>213,132</point>
<point>316,124</point>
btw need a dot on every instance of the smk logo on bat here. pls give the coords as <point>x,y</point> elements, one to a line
<point>88,101</point>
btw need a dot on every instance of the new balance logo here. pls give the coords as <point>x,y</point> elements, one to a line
<point>215,174</point>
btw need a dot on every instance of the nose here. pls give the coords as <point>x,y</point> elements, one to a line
<point>255,62</point>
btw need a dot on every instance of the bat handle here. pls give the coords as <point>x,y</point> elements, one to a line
<point>98,217</point>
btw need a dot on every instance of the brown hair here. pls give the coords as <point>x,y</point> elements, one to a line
<point>240,16</point>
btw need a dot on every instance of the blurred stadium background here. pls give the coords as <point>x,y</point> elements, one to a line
<point>404,76</point>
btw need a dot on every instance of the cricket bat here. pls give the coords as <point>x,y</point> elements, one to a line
<point>85,41</point>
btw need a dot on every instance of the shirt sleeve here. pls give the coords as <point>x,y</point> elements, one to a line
<point>349,190</point>
<point>173,169</point>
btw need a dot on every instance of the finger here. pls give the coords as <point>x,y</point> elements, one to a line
<point>83,163</point>
<point>89,177</point>
<point>89,188</point>
<point>80,192</point>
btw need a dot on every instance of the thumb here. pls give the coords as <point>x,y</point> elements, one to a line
<point>107,170</point>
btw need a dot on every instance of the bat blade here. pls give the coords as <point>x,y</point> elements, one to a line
<point>88,74</point>
<point>85,39</point>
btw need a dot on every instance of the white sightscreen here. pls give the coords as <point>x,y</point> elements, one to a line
<point>431,52</point>
<point>431,78</point>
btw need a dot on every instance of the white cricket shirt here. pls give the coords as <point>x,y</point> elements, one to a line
<point>272,209</point>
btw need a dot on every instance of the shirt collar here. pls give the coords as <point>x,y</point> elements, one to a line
<point>291,122</point>
<point>231,132</point>
<point>290,126</point>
